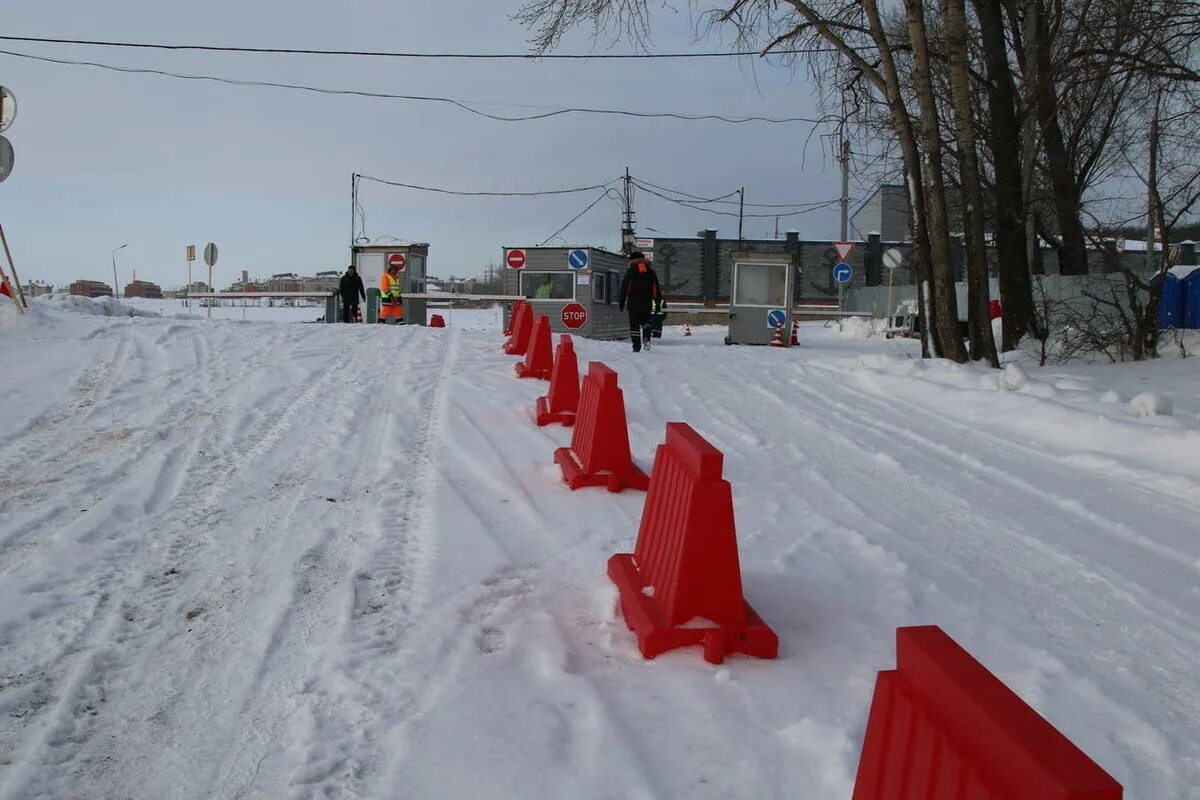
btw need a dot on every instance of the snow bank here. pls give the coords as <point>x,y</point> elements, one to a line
<point>92,306</point>
<point>858,328</point>
<point>1150,404</point>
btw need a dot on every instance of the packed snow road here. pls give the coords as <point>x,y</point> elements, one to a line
<point>270,559</point>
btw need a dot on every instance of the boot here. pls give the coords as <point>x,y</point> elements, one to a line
<point>646,337</point>
<point>637,342</point>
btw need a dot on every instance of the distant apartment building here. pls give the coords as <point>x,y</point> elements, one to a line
<point>326,281</point>
<point>199,287</point>
<point>144,289</point>
<point>285,282</point>
<point>36,289</point>
<point>90,289</point>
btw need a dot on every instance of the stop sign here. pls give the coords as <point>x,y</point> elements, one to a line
<point>574,316</point>
<point>515,259</point>
<point>397,260</point>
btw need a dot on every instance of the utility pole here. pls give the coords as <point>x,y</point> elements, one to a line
<point>741,209</point>
<point>353,209</point>
<point>628,236</point>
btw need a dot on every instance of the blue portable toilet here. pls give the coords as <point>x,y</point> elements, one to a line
<point>1190,289</point>
<point>1170,302</point>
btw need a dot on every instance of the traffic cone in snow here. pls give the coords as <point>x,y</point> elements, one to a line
<point>512,317</point>
<point>941,725</point>
<point>795,333</point>
<point>687,329</point>
<point>437,321</point>
<point>518,342</point>
<point>358,314</point>
<point>599,451</point>
<point>539,357</point>
<point>685,564</point>
<point>562,401</point>
<point>777,337</point>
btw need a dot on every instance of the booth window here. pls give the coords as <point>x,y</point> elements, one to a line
<point>548,285</point>
<point>761,285</point>
<point>600,287</point>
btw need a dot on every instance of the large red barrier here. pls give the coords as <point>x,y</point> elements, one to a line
<point>599,451</point>
<point>539,357</point>
<point>562,401</point>
<point>512,317</point>
<point>518,342</point>
<point>942,727</point>
<point>683,584</point>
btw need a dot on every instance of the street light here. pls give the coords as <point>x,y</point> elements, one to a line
<point>114,260</point>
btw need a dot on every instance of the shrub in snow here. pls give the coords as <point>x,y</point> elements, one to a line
<point>1150,404</point>
<point>861,327</point>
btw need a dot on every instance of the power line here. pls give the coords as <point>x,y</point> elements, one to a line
<point>591,205</point>
<point>643,184</point>
<point>208,48</point>
<point>465,106</point>
<point>440,190</point>
<point>808,209</point>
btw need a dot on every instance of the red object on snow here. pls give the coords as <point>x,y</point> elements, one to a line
<point>562,402</point>
<point>795,332</point>
<point>994,309</point>
<point>684,568</point>
<point>4,288</point>
<point>539,357</point>
<point>942,727</point>
<point>687,329</point>
<point>599,451</point>
<point>512,317</point>
<point>777,337</point>
<point>518,342</point>
<point>436,321</point>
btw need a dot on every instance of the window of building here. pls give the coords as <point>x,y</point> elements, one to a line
<point>761,285</point>
<point>548,285</point>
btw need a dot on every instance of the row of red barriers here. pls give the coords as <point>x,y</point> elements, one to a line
<point>940,727</point>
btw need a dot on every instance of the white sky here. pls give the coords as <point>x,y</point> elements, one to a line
<point>104,158</point>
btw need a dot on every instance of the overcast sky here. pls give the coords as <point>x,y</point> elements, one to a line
<point>104,159</point>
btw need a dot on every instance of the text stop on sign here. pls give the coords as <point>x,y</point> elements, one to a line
<point>574,316</point>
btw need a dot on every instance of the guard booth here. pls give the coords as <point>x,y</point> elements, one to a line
<point>760,297</point>
<point>576,287</point>
<point>372,260</point>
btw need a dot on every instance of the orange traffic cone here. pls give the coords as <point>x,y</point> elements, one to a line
<point>777,337</point>
<point>795,333</point>
<point>687,329</point>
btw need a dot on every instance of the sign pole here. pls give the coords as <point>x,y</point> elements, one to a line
<point>210,288</point>
<point>23,303</point>
<point>891,277</point>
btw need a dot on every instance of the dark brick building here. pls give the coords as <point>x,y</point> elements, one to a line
<point>144,289</point>
<point>90,289</point>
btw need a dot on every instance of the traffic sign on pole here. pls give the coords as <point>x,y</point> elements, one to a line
<point>843,272</point>
<point>574,316</point>
<point>843,249</point>
<point>398,261</point>
<point>893,258</point>
<point>515,259</point>
<point>8,108</point>
<point>210,254</point>
<point>6,158</point>
<point>577,259</point>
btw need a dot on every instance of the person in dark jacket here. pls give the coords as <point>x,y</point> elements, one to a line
<point>351,289</point>
<point>640,293</point>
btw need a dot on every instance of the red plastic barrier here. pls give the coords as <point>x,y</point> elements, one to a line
<point>599,451</point>
<point>539,357</point>
<point>512,317</point>
<point>993,309</point>
<point>518,342</point>
<point>562,401</point>
<point>942,728</point>
<point>683,585</point>
<point>436,321</point>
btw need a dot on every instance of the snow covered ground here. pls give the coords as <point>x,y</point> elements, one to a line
<point>275,560</point>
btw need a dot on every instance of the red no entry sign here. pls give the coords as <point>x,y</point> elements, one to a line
<point>515,259</point>
<point>397,260</point>
<point>574,316</point>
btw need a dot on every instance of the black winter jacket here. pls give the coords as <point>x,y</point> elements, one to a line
<point>351,288</point>
<point>639,289</point>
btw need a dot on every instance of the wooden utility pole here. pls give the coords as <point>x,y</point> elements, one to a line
<point>19,297</point>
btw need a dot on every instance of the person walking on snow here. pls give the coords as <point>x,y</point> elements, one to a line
<point>351,289</point>
<point>641,293</point>
<point>391,309</point>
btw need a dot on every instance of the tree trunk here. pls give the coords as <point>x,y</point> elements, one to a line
<point>1018,313</point>
<point>944,300</point>
<point>979,325</point>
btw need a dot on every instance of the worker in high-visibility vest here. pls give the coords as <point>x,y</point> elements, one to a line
<point>391,304</point>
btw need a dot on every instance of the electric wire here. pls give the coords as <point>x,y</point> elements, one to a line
<point>697,200</point>
<point>574,219</point>
<point>208,48</point>
<point>440,190</point>
<point>807,209</point>
<point>465,106</point>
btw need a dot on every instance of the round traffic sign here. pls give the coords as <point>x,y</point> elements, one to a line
<point>210,254</point>
<point>843,272</point>
<point>892,258</point>
<point>776,318</point>
<point>398,261</point>
<point>574,316</point>
<point>8,108</point>
<point>515,259</point>
<point>6,158</point>
<point>577,259</point>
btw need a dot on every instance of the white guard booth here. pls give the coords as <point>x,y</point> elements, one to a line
<point>761,297</point>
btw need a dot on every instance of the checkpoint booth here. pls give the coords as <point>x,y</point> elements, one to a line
<point>576,287</point>
<point>760,297</point>
<point>372,260</point>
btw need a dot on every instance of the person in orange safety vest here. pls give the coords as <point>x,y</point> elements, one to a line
<point>391,304</point>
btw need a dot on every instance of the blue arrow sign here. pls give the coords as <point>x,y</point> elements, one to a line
<point>577,259</point>
<point>843,272</point>
<point>776,318</point>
